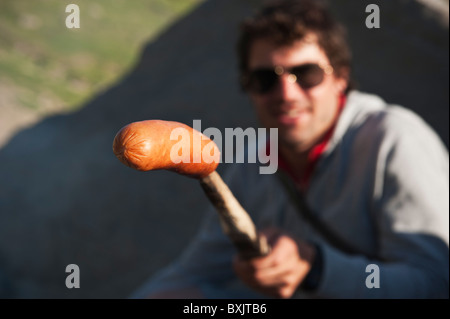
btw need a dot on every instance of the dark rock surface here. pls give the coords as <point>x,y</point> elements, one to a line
<point>65,198</point>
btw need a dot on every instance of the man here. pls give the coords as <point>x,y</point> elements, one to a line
<point>373,176</point>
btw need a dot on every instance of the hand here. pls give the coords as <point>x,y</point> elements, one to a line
<point>280,272</point>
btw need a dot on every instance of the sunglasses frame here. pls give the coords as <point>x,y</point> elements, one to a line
<point>278,71</point>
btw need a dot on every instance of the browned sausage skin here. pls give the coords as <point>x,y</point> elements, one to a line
<point>158,144</point>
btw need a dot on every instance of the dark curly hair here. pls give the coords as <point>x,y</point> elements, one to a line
<point>287,21</point>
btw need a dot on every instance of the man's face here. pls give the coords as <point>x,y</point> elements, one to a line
<point>302,116</point>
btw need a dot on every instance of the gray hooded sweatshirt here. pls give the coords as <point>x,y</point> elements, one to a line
<point>382,185</point>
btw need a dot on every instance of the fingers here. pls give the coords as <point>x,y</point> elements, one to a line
<point>277,274</point>
<point>266,271</point>
<point>283,254</point>
<point>267,276</point>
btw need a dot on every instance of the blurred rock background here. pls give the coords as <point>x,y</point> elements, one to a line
<point>64,197</point>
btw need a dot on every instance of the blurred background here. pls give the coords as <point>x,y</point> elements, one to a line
<point>64,94</point>
<point>46,68</point>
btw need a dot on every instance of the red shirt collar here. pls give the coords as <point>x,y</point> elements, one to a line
<point>313,155</point>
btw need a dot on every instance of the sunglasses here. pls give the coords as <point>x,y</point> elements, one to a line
<point>263,80</point>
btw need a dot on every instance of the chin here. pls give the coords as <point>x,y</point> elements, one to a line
<point>298,134</point>
<point>293,143</point>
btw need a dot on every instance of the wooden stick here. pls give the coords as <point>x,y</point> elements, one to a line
<point>235,221</point>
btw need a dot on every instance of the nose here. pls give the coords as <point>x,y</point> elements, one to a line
<point>288,88</point>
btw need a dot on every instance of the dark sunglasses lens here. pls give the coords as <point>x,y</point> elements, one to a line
<point>308,75</point>
<point>261,81</point>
